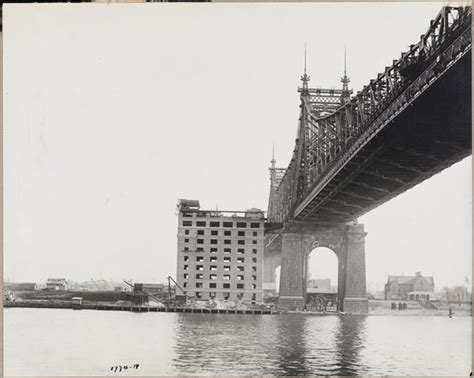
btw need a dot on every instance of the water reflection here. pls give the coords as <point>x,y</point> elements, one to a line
<point>167,344</point>
<point>217,343</point>
<point>350,340</point>
<point>290,344</point>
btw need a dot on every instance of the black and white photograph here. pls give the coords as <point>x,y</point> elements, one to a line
<point>229,189</point>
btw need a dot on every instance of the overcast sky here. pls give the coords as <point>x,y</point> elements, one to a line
<point>113,112</point>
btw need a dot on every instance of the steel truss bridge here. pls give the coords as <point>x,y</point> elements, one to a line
<point>410,122</point>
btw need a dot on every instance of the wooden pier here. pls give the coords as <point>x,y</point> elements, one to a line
<point>133,308</point>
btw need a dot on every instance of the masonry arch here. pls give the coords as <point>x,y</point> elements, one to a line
<point>322,276</point>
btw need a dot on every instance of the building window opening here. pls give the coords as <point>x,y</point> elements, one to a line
<point>198,285</point>
<point>213,250</point>
<point>240,277</point>
<point>201,224</point>
<point>199,267</point>
<point>241,224</point>
<point>213,267</point>
<point>241,233</point>
<point>199,258</point>
<point>213,276</point>
<point>226,250</point>
<point>215,224</point>
<point>200,232</point>
<point>227,233</point>
<point>240,286</point>
<point>226,268</point>
<point>214,233</point>
<point>212,285</point>
<point>240,268</point>
<point>226,277</point>
<point>213,241</point>
<point>199,276</point>
<point>228,224</point>
<point>254,225</point>
<point>187,223</point>
<point>240,259</point>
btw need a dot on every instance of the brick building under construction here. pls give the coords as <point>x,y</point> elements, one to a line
<point>220,253</point>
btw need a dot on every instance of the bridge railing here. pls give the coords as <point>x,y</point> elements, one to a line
<point>324,142</point>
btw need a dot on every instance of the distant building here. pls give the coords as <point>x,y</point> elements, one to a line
<point>150,288</point>
<point>220,253</point>
<point>415,287</point>
<point>56,284</point>
<point>320,286</point>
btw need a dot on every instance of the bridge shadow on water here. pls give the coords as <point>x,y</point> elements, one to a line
<point>279,345</point>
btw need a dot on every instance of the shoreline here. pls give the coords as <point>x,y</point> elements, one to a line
<point>135,308</point>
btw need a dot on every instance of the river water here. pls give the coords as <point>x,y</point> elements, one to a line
<point>68,342</point>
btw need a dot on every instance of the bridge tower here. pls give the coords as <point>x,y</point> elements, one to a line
<point>291,247</point>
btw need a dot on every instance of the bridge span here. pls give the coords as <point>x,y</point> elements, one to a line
<point>353,154</point>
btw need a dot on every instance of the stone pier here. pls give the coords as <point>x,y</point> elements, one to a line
<point>347,242</point>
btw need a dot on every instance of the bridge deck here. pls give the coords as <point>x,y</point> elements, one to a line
<point>431,134</point>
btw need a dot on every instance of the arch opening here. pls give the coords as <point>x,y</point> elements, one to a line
<point>277,279</point>
<point>322,280</point>
<point>271,280</point>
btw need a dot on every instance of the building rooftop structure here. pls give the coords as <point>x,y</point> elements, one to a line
<point>192,207</point>
<point>410,279</point>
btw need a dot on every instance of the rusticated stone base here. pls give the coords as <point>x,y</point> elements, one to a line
<point>356,306</point>
<point>291,303</point>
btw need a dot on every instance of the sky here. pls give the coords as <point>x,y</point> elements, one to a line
<point>114,112</point>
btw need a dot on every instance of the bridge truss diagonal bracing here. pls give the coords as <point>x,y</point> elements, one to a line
<point>355,153</point>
